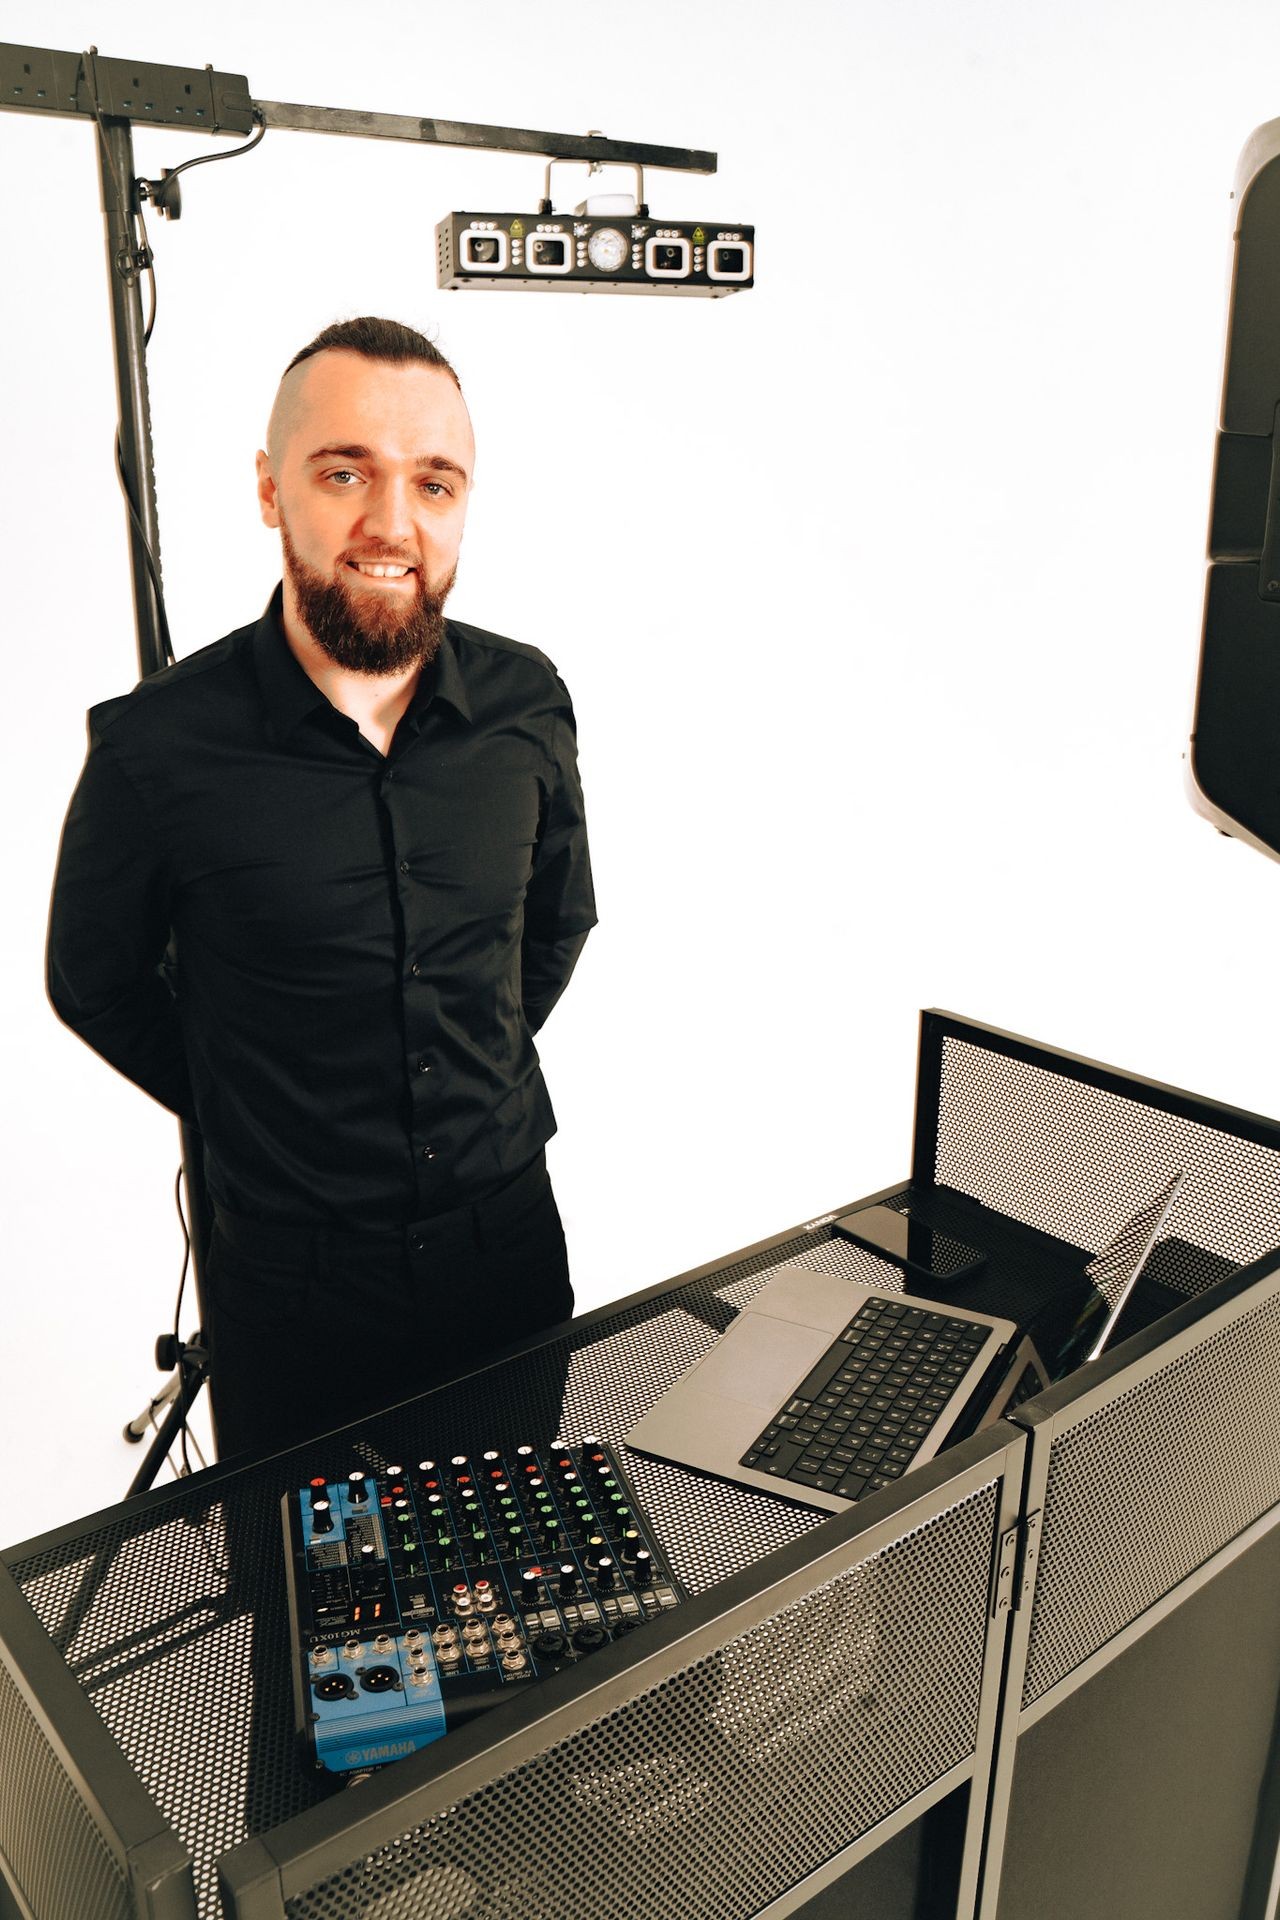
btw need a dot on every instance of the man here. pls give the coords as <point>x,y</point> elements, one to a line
<point>319,885</point>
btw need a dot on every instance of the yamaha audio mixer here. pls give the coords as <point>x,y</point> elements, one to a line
<point>417,1597</point>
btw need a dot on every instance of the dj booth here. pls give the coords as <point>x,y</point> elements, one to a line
<point>1036,1678</point>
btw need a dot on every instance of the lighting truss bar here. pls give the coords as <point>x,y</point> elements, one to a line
<point>44,80</point>
<point>465,133</point>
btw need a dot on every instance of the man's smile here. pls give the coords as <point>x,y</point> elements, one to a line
<point>380,570</point>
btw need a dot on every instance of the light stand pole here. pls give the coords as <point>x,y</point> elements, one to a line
<point>127,260</point>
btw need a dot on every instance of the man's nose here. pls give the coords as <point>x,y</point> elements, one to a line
<point>388,510</point>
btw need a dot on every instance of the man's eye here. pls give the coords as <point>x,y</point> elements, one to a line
<point>342,473</point>
<point>435,488</point>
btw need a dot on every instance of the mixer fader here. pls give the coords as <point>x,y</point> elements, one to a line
<point>417,1596</point>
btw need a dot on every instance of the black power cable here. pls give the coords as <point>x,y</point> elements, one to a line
<point>143,261</point>
<point>177,1307</point>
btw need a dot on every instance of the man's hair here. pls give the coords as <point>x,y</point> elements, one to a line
<point>377,340</point>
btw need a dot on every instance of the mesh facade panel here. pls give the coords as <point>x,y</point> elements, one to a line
<point>1077,1160</point>
<point>716,1790</point>
<point>1149,1486</point>
<point>61,1861</point>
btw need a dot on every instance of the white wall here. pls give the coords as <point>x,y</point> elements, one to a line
<point>878,589</point>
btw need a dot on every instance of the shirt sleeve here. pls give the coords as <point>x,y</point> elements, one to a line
<point>109,929</point>
<point>560,904</point>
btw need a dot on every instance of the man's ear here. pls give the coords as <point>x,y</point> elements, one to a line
<point>268,503</point>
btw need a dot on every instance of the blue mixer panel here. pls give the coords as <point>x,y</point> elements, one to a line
<point>418,1596</point>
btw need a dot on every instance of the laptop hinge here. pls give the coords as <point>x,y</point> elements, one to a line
<point>1016,1567</point>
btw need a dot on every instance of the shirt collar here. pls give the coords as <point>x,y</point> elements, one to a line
<point>289,695</point>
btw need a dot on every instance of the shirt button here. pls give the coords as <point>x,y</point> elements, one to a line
<point>417,1242</point>
<point>415,970</point>
<point>424,1066</point>
<point>428,1153</point>
<point>404,866</point>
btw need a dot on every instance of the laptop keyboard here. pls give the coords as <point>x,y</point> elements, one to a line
<point>863,1412</point>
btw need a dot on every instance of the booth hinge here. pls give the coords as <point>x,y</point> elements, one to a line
<point>1016,1568</point>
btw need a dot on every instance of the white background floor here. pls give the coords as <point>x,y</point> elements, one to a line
<point>878,589</point>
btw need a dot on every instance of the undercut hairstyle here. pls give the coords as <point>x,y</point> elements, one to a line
<point>378,339</point>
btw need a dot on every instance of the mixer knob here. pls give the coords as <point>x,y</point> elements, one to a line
<point>357,1490</point>
<point>642,1573</point>
<point>631,1538</point>
<point>530,1586</point>
<point>321,1517</point>
<point>606,1574</point>
<point>319,1490</point>
<point>567,1585</point>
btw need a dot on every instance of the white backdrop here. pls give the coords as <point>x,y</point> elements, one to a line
<point>877,589</point>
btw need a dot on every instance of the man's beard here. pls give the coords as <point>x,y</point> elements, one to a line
<point>367,631</point>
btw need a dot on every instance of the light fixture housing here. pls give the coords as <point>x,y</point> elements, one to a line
<point>577,252</point>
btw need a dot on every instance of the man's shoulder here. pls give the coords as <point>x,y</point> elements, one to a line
<point>191,684</point>
<point>497,653</point>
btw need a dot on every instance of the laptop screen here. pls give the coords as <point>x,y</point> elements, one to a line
<point>1114,1273</point>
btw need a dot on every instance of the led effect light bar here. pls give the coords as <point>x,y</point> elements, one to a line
<point>593,253</point>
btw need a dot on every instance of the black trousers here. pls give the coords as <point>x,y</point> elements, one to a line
<point>309,1330</point>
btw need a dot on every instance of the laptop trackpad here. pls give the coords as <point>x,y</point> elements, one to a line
<point>762,1362</point>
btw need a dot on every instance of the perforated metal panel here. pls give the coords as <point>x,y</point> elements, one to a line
<point>714,1791</point>
<point>1146,1488</point>
<point>822,1255</point>
<point>62,1862</point>
<point>1076,1160</point>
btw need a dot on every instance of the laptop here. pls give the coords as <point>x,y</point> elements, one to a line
<point>823,1390</point>
<point>781,1365</point>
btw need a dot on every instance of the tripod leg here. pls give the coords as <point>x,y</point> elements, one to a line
<point>195,1366</point>
<point>136,1428</point>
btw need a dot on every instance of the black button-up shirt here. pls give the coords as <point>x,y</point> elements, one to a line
<point>333,960</point>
